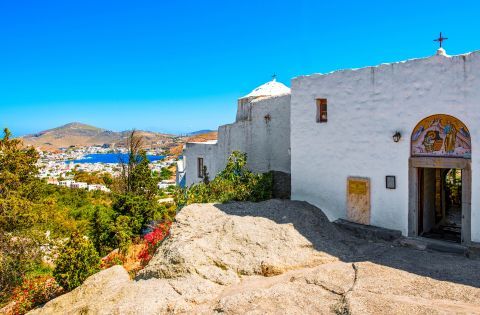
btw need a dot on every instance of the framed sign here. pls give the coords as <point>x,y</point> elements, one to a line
<point>390,182</point>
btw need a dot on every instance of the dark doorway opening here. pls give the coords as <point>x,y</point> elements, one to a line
<point>440,204</point>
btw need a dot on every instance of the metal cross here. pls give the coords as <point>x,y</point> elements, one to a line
<point>440,39</point>
<point>274,77</point>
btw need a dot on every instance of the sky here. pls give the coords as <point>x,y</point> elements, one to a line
<point>180,66</point>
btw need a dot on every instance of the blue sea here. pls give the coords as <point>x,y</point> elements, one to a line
<point>112,158</point>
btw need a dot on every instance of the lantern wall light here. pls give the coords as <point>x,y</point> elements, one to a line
<point>397,136</point>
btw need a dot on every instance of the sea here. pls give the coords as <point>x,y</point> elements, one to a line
<point>112,158</point>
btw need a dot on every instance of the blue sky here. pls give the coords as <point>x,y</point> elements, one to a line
<point>179,66</point>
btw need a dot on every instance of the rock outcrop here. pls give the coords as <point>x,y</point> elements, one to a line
<point>277,257</point>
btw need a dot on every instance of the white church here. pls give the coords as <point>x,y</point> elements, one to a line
<point>391,146</point>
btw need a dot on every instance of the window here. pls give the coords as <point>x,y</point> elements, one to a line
<point>200,167</point>
<point>321,110</point>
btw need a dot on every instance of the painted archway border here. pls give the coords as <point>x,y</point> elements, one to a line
<point>441,135</point>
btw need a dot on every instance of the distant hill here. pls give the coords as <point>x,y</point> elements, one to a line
<point>200,132</point>
<point>203,137</point>
<point>78,134</point>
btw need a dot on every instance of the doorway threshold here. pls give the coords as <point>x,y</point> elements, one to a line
<point>423,243</point>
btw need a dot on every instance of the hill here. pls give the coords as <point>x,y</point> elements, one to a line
<point>78,134</point>
<point>200,132</point>
<point>277,257</point>
<point>199,137</point>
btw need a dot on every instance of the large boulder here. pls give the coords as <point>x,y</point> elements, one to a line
<point>222,248</point>
<point>277,257</point>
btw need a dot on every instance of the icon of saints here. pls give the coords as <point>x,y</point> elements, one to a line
<point>429,141</point>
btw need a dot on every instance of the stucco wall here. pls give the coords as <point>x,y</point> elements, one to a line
<point>266,141</point>
<point>365,108</point>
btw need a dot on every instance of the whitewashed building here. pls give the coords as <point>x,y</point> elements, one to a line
<point>180,173</point>
<point>79,185</point>
<point>100,187</point>
<point>391,146</point>
<point>66,183</point>
<point>261,130</point>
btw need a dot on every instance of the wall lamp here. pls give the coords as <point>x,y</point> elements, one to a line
<point>397,136</point>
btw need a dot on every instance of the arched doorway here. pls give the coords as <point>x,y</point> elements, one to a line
<point>440,179</point>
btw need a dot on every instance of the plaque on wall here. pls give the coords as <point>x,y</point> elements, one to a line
<point>358,200</point>
<point>390,182</point>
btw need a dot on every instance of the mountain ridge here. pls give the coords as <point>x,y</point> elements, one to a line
<point>80,134</point>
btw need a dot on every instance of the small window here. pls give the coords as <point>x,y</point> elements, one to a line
<point>321,110</point>
<point>200,167</point>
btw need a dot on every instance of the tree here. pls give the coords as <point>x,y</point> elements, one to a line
<point>140,210</point>
<point>165,173</point>
<point>123,233</point>
<point>102,229</point>
<point>76,262</point>
<point>19,190</point>
<point>19,186</point>
<point>136,177</point>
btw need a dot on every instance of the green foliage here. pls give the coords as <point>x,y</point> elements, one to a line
<point>142,181</point>
<point>138,208</point>
<point>30,209</point>
<point>123,233</point>
<point>93,177</point>
<point>76,262</point>
<point>18,255</point>
<point>20,191</point>
<point>102,229</point>
<point>18,183</point>
<point>235,182</point>
<point>165,173</point>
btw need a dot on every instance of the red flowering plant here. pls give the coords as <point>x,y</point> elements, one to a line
<point>33,292</point>
<point>152,240</point>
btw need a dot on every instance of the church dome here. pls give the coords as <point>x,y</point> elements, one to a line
<point>269,89</point>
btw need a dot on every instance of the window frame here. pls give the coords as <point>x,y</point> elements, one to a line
<point>322,108</point>
<point>200,167</point>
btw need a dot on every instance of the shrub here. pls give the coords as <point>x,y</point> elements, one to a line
<point>18,255</point>
<point>33,292</point>
<point>112,259</point>
<point>153,240</point>
<point>123,233</point>
<point>102,229</point>
<point>234,183</point>
<point>77,261</point>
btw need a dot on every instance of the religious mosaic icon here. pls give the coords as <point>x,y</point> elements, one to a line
<point>441,135</point>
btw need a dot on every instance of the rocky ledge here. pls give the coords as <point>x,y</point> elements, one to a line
<point>280,257</point>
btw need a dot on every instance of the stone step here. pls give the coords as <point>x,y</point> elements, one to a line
<point>369,232</point>
<point>422,243</point>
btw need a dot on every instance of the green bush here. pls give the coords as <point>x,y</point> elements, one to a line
<point>234,183</point>
<point>77,261</point>
<point>102,229</point>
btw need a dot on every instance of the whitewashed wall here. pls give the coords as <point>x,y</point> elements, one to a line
<point>266,142</point>
<point>365,108</point>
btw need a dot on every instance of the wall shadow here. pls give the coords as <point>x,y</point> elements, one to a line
<point>327,237</point>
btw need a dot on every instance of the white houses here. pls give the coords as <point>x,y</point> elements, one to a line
<point>392,146</point>
<point>79,185</point>
<point>66,183</point>
<point>98,187</point>
<point>166,183</point>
